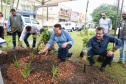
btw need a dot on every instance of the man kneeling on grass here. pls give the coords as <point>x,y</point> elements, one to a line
<point>45,38</point>
<point>63,40</point>
<point>98,46</point>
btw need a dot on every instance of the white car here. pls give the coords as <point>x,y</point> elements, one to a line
<point>28,21</point>
<point>69,26</point>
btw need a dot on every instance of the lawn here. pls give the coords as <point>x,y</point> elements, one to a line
<point>117,73</point>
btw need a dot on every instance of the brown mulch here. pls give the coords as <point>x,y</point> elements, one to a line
<point>68,73</point>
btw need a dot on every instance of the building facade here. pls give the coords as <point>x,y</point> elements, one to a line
<point>53,15</point>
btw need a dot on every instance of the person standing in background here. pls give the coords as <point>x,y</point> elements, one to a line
<point>1,27</point>
<point>122,36</point>
<point>15,25</point>
<point>106,23</point>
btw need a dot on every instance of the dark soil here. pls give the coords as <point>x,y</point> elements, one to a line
<point>68,73</point>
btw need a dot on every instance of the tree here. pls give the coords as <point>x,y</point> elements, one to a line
<point>109,9</point>
<point>104,7</point>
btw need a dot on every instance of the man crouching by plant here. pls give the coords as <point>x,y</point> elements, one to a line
<point>45,36</point>
<point>98,46</point>
<point>63,40</point>
<point>27,31</point>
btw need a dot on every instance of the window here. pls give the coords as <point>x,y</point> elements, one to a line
<point>34,21</point>
<point>61,9</point>
<point>27,20</point>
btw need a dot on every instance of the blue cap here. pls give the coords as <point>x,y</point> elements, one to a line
<point>0,68</point>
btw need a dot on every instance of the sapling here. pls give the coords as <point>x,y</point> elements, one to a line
<point>32,53</point>
<point>55,54</point>
<point>54,71</point>
<point>27,70</point>
<point>15,60</point>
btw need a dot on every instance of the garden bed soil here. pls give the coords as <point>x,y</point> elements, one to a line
<point>68,72</point>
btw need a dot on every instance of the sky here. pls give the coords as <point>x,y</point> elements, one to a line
<point>80,5</point>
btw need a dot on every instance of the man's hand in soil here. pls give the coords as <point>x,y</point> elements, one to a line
<point>4,53</point>
<point>28,48</point>
<point>109,53</point>
<point>46,52</point>
<point>84,58</point>
<point>41,52</point>
<point>18,48</point>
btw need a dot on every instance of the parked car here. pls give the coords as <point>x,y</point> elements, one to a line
<point>69,26</point>
<point>79,26</point>
<point>28,21</point>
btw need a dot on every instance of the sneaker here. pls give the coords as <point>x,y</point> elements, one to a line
<point>102,69</point>
<point>90,64</point>
<point>69,58</point>
<point>125,65</point>
<point>120,62</point>
<point>14,47</point>
<point>22,46</point>
<point>62,60</point>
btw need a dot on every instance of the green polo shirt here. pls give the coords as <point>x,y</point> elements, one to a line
<point>50,32</point>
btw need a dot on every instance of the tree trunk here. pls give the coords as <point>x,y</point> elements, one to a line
<point>12,4</point>
<point>1,6</point>
<point>17,5</point>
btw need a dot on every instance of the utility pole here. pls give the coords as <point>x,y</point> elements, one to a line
<point>42,13</point>
<point>86,14</point>
<point>1,6</point>
<point>117,16</point>
<point>120,17</point>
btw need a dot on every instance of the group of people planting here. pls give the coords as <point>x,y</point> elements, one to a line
<point>97,45</point>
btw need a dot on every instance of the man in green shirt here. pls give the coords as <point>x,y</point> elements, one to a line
<point>45,38</point>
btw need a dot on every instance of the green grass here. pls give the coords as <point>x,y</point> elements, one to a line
<point>117,73</point>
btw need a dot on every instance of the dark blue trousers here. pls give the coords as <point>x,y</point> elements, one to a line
<point>26,41</point>
<point>91,53</point>
<point>63,53</point>
<point>14,37</point>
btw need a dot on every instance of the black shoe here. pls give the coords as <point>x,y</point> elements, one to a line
<point>90,64</point>
<point>1,47</point>
<point>70,55</point>
<point>62,60</point>
<point>102,69</point>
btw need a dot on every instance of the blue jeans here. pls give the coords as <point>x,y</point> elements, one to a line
<point>14,37</point>
<point>26,41</point>
<point>63,52</point>
<point>122,50</point>
<point>91,53</point>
